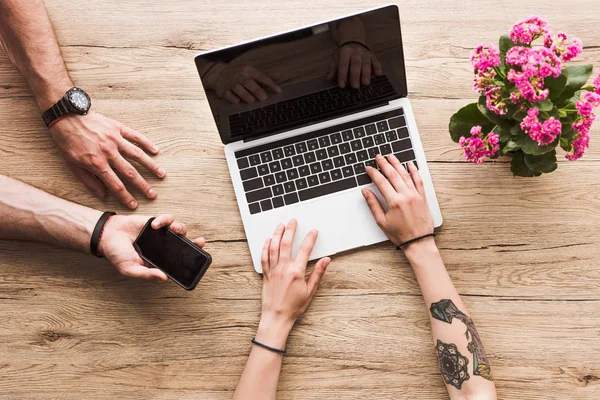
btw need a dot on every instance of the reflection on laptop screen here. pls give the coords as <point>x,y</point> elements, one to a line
<point>305,76</point>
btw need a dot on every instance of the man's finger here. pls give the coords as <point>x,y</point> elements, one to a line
<point>266,81</point>
<point>255,89</point>
<point>116,186</point>
<point>232,98</point>
<point>316,275</point>
<point>128,171</point>
<point>141,272</point>
<point>355,66</point>
<point>199,242</point>
<point>264,258</point>
<point>162,221</point>
<point>139,139</point>
<point>384,186</point>
<point>135,153</point>
<point>244,94</point>
<point>179,228</point>
<point>275,244</point>
<point>343,65</point>
<point>89,180</point>
<point>366,71</point>
<point>401,171</point>
<point>285,250</point>
<point>306,248</point>
<point>374,206</point>
<point>390,173</point>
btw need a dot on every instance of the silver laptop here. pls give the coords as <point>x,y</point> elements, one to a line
<point>297,139</point>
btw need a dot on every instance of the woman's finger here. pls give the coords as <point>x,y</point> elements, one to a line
<point>366,71</point>
<point>401,171</point>
<point>316,275</point>
<point>244,94</point>
<point>375,206</point>
<point>264,258</point>
<point>306,248</point>
<point>232,98</point>
<point>285,251</point>
<point>416,177</point>
<point>275,244</point>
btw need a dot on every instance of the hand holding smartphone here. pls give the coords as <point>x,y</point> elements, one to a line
<point>175,255</point>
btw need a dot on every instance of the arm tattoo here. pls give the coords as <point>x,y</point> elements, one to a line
<point>445,311</point>
<point>453,365</point>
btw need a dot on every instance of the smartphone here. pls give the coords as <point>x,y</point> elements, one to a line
<point>179,258</point>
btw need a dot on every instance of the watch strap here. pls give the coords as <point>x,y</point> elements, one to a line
<point>57,111</point>
<point>97,233</point>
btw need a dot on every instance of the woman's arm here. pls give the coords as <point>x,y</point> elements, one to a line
<point>463,364</point>
<point>286,295</point>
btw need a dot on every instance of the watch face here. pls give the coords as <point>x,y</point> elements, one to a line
<point>79,100</point>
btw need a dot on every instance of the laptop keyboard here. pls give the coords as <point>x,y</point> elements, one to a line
<point>322,162</point>
<point>306,108</point>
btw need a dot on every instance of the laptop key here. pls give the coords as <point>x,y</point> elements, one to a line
<point>359,168</point>
<point>275,166</point>
<point>323,190</point>
<point>278,154</point>
<point>310,157</point>
<point>363,179</point>
<point>324,141</point>
<point>336,174</point>
<point>333,151</point>
<point>359,132</point>
<point>373,151</point>
<point>248,173</point>
<point>313,180</point>
<point>243,163</point>
<point>304,170</point>
<point>356,145</point>
<point>379,138</point>
<point>347,135</point>
<point>321,154</point>
<point>312,144</point>
<point>405,156</point>
<point>269,180</point>
<point>347,171</point>
<point>338,162</point>
<point>298,160</point>
<point>266,205</point>
<point>385,149</point>
<point>350,158</point>
<point>397,122</point>
<point>291,198</point>
<point>280,177</point>
<point>371,129</point>
<point>258,195</point>
<point>391,136</point>
<point>292,174</point>
<point>368,142</point>
<point>301,184</point>
<point>401,145</point>
<point>315,168</point>
<point>362,155</point>
<point>324,177</point>
<point>253,184</point>
<point>327,165</point>
<point>402,133</point>
<point>266,157</point>
<point>371,163</point>
<point>289,187</point>
<point>301,148</point>
<point>254,159</point>
<point>382,126</point>
<point>263,169</point>
<point>286,163</point>
<point>289,151</point>
<point>278,202</point>
<point>277,190</point>
<point>336,138</point>
<point>345,148</point>
<point>254,208</point>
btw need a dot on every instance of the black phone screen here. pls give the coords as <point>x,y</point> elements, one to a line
<point>181,260</point>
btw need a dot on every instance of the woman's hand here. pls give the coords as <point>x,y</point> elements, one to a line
<point>353,62</point>
<point>116,243</point>
<point>407,215</point>
<point>286,292</point>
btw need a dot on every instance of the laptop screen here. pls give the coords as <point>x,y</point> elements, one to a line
<point>305,76</point>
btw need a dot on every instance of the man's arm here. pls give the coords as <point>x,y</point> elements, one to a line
<point>27,213</point>
<point>462,361</point>
<point>94,147</point>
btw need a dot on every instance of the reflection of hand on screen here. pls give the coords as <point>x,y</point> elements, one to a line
<point>241,83</point>
<point>354,62</point>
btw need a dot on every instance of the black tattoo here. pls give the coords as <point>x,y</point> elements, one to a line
<point>453,365</point>
<point>445,310</point>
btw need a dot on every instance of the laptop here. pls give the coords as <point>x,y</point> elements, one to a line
<point>299,148</point>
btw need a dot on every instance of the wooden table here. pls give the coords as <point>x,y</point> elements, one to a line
<point>523,253</point>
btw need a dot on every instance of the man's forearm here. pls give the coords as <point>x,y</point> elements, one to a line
<point>462,360</point>
<point>27,37</point>
<point>27,213</point>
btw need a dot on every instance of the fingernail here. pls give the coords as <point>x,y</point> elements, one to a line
<point>379,156</point>
<point>161,172</point>
<point>155,148</point>
<point>342,83</point>
<point>411,163</point>
<point>393,157</point>
<point>368,167</point>
<point>151,193</point>
<point>133,204</point>
<point>292,221</point>
<point>278,89</point>
<point>364,193</point>
<point>314,231</point>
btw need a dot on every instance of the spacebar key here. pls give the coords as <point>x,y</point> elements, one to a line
<point>322,190</point>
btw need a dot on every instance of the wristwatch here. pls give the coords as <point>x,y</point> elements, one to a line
<point>74,101</point>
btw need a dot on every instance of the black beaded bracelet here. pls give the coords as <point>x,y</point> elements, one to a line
<point>264,346</point>
<point>97,233</point>
<point>354,42</point>
<point>414,240</point>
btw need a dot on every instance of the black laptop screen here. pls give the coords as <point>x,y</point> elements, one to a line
<point>306,76</point>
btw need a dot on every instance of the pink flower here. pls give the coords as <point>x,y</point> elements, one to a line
<point>583,107</point>
<point>582,125</point>
<point>484,58</point>
<point>517,55</point>
<point>593,98</point>
<point>543,133</point>
<point>597,84</point>
<point>528,30</point>
<point>477,147</point>
<point>573,50</point>
<point>494,101</point>
<point>484,80</point>
<point>531,89</point>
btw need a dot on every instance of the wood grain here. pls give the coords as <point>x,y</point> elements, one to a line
<point>523,253</point>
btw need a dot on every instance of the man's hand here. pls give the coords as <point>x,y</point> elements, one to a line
<point>355,62</point>
<point>407,214</point>
<point>95,149</point>
<point>117,240</point>
<point>240,83</point>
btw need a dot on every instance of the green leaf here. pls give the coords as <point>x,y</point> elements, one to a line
<point>544,105</point>
<point>562,113</point>
<point>543,163</point>
<point>567,136</point>
<point>504,133</point>
<point>556,85</point>
<point>466,118</point>
<point>576,76</point>
<point>490,115</point>
<point>511,145</point>
<point>519,115</point>
<point>566,144</point>
<point>518,166</point>
<point>504,45</point>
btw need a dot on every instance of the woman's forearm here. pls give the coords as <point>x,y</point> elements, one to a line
<point>27,213</point>
<point>463,363</point>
